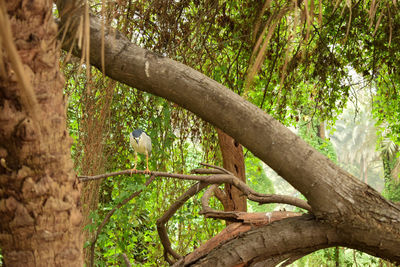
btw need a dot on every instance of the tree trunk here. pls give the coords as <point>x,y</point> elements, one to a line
<point>233,161</point>
<point>39,196</point>
<point>339,200</point>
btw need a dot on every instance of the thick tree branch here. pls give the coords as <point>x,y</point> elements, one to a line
<point>249,221</point>
<point>277,242</point>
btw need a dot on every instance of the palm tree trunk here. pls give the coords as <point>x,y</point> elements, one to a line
<point>39,193</point>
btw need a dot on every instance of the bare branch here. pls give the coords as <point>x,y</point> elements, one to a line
<point>216,179</point>
<point>216,167</point>
<point>237,216</point>
<point>206,198</point>
<point>162,230</point>
<point>207,171</point>
<point>126,260</point>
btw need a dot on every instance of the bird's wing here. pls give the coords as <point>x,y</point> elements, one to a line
<point>148,144</point>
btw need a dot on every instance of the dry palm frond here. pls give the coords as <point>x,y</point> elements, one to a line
<point>259,18</point>
<point>2,67</point>
<point>348,4</point>
<point>259,53</point>
<point>28,96</point>
<point>396,171</point>
<point>377,24</point>
<point>320,13</point>
<point>390,23</point>
<point>75,17</point>
<point>103,8</point>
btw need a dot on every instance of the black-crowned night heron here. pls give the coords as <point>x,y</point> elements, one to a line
<point>141,143</point>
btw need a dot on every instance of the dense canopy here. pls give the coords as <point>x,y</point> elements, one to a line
<point>197,75</point>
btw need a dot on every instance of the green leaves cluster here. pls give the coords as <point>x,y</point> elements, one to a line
<point>258,180</point>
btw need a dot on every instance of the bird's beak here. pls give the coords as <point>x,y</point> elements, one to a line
<point>137,140</point>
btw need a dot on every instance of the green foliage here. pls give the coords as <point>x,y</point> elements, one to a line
<point>386,105</point>
<point>309,133</point>
<point>258,180</point>
<point>392,190</point>
<point>337,256</point>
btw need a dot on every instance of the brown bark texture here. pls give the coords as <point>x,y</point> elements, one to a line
<point>248,222</point>
<point>339,201</point>
<point>233,161</point>
<point>260,246</point>
<point>39,193</point>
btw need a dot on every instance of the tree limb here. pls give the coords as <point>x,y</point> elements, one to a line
<point>162,230</point>
<point>271,244</point>
<point>215,179</point>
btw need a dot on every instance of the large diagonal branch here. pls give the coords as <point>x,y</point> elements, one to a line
<point>276,145</point>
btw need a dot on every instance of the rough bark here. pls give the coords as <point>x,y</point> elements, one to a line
<point>297,235</point>
<point>233,161</point>
<point>39,196</point>
<point>341,201</point>
<point>248,221</point>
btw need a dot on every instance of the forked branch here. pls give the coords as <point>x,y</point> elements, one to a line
<point>214,176</point>
<point>218,176</point>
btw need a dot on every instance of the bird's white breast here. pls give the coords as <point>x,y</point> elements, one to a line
<point>143,145</point>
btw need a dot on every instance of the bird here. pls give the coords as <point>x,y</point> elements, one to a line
<point>141,143</point>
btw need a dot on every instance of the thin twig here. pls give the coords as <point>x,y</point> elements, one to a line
<point>216,167</point>
<point>126,260</point>
<point>216,179</point>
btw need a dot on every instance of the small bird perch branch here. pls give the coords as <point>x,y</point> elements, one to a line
<point>215,179</point>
